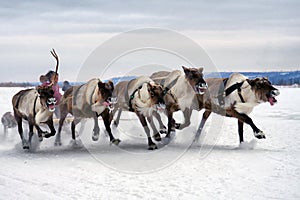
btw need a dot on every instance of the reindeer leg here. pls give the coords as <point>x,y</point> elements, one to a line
<point>156,134</point>
<point>241,130</point>
<point>96,129</point>
<point>205,116</point>
<point>107,118</point>
<point>151,144</point>
<point>171,124</point>
<point>63,116</point>
<point>246,119</point>
<point>187,119</point>
<point>30,134</point>
<point>20,130</point>
<point>73,126</point>
<point>117,120</point>
<point>5,130</point>
<point>51,127</point>
<point>162,128</point>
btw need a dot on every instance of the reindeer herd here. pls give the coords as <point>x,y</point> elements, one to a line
<point>163,92</point>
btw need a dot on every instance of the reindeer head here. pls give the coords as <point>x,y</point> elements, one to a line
<point>195,79</point>
<point>264,90</point>
<point>47,99</point>
<point>157,94</point>
<point>105,94</point>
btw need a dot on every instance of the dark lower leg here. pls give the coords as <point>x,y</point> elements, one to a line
<point>187,119</point>
<point>107,118</point>
<point>158,117</point>
<point>241,130</point>
<point>205,116</point>
<point>151,144</point>
<point>156,134</point>
<point>73,126</point>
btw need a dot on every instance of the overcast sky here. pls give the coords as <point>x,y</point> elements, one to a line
<point>259,35</point>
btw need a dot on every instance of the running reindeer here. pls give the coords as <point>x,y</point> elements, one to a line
<point>183,86</point>
<point>179,90</point>
<point>236,97</point>
<point>144,97</point>
<point>36,106</point>
<point>90,100</point>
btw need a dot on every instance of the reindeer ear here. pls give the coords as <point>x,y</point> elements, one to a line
<point>251,82</point>
<point>111,84</point>
<point>149,86</point>
<point>200,69</point>
<point>101,84</point>
<point>38,89</point>
<point>186,70</point>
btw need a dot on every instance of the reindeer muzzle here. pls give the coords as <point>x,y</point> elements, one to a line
<point>201,88</point>
<point>272,100</point>
<point>110,103</point>
<point>51,104</point>
<point>160,106</point>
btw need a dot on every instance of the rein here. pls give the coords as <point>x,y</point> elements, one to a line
<point>222,94</point>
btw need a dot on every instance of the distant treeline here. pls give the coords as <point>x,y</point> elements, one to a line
<point>277,78</point>
<point>11,84</point>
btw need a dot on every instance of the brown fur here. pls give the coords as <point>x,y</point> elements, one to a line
<point>261,87</point>
<point>31,105</point>
<point>141,95</point>
<point>87,101</point>
<point>183,87</point>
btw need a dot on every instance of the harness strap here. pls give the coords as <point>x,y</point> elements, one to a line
<point>168,87</point>
<point>34,106</point>
<point>222,94</point>
<point>240,95</point>
<point>132,97</point>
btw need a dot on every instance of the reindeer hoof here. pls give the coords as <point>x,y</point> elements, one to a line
<point>95,137</point>
<point>260,135</point>
<point>115,141</point>
<point>163,131</point>
<point>40,138</point>
<point>157,137</point>
<point>167,139</point>
<point>47,135</point>
<point>26,147</point>
<point>152,147</point>
<point>177,125</point>
<point>57,143</point>
<point>115,124</point>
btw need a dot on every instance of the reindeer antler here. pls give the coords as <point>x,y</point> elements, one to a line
<point>57,60</point>
<point>57,63</point>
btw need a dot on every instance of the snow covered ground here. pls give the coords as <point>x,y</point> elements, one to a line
<point>215,168</point>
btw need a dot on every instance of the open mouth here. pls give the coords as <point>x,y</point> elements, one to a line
<point>160,107</point>
<point>110,103</point>
<point>51,104</point>
<point>51,107</point>
<point>201,88</point>
<point>272,100</point>
<point>106,104</point>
